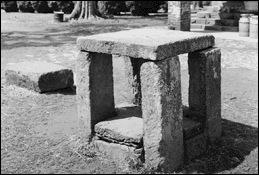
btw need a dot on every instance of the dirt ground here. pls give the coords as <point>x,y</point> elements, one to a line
<point>39,132</point>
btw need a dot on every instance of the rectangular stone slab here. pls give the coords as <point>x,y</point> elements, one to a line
<point>122,155</point>
<point>126,127</point>
<point>162,113</point>
<point>152,44</point>
<point>94,92</point>
<point>205,89</point>
<point>38,76</point>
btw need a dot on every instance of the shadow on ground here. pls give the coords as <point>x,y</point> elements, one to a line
<point>237,142</point>
<point>65,91</point>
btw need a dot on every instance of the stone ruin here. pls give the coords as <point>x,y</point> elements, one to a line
<point>152,130</point>
<point>38,76</point>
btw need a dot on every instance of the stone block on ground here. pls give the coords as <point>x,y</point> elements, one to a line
<point>126,128</point>
<point>124,156</point>
<point>111,136</point>
<point>38,76</point>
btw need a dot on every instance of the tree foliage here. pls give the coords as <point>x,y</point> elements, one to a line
<point>9,6</point>
<point>103,9</point>
<point>107,8</point>
<point>64,6</point>
<point>41,6</point>
<point>25,6</point>
<point>164,6</point>
<point>142,8</point>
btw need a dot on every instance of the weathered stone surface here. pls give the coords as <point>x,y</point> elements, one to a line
<point>203,14</point>
<point>39,76</point>
<point>195,146</point>
<point>179,15</point>
<point>126,127</point>
<point>95,94</point>
<point>214,15</point>
<point>195,141</point>
<point>201,20</point>
<point>191,128</point>
<point>205,89</point>
<point>162,114</point>
<point>212,8</point>
<point>123,155</point>
<point>132,73</point>
<point>152,44</point>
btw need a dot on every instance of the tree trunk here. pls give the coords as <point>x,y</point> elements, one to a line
<point>86,10</point>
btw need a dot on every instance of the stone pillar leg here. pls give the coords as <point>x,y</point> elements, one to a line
<point>132,73</point>
<point>162,114</point>
<point>95,93</point>
<point>205,89</point>
<point>179,15</point>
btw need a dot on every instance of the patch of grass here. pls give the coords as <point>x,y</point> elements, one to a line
<point>86,151</point>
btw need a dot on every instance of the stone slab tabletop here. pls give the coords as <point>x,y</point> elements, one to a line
<point>152,44</point>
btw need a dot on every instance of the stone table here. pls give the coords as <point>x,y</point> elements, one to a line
<point>156,53</point>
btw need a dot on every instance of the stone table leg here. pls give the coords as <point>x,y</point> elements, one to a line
<point>205,89</point>
<point>162,114</point>
<point>95,93</point>
<point>132,73</point>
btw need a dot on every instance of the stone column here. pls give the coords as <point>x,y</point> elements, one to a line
<point>205,89</point>
<point>132,73</point>
<point>162,114</point>
<point>179,15</point>
<point>95,93</point>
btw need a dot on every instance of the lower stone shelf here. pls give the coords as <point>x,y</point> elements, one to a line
<point>121,137</point>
